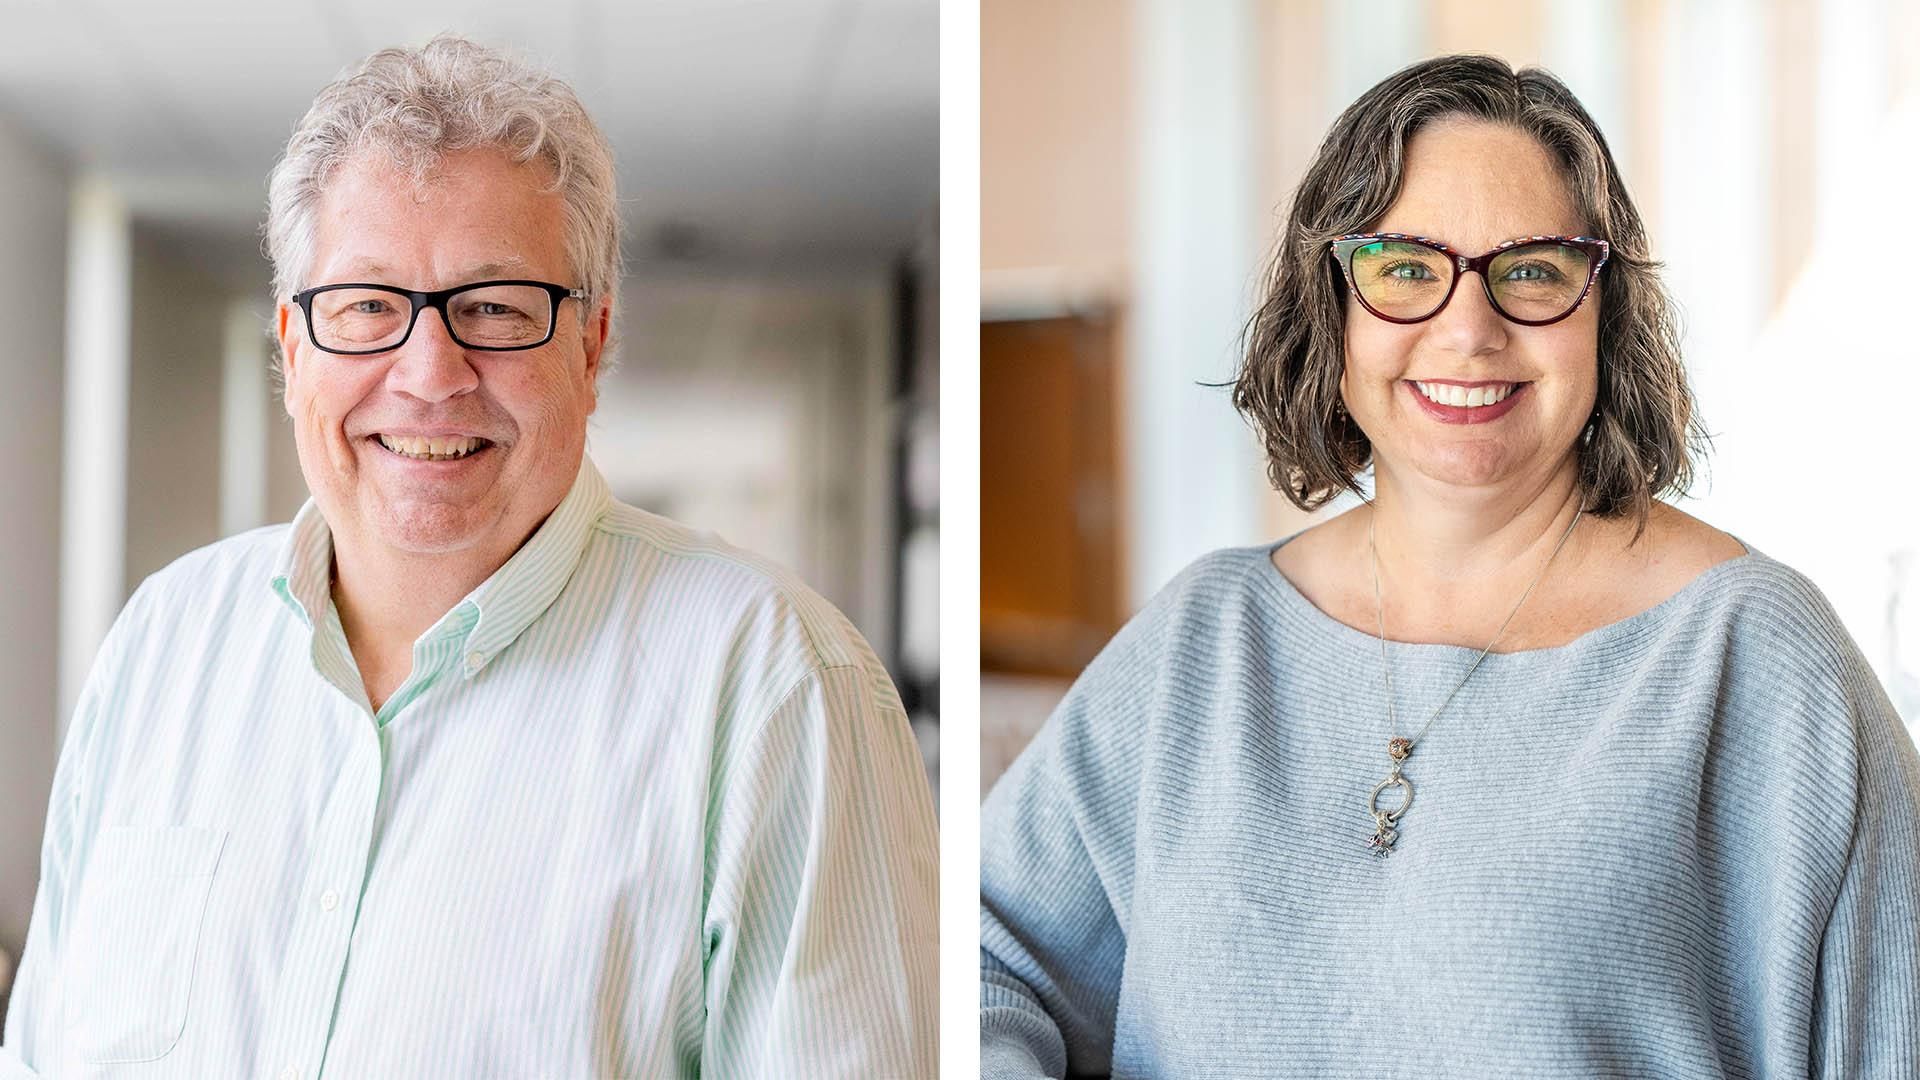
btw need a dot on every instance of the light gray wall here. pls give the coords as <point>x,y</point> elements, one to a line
<point>173,408</point>
<point>33,247</point>
<point>756,406</point>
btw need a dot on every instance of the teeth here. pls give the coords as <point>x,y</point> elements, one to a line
<point>1460,396</point>
<point>432,448</point>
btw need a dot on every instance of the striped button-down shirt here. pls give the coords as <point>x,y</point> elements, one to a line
<point>645,806</point>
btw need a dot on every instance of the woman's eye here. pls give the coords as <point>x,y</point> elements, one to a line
<point>1411,271</point>
<point>1532,272</point>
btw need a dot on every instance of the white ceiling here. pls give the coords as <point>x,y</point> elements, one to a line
<point>772,134</point>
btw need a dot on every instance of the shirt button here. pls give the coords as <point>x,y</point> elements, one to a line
<point>475,662</point>
<point>289,1073</point>
<point>328,901</point>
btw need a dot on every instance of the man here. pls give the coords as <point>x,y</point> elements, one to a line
<point>472,771</point>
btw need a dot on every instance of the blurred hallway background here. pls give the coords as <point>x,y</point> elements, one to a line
<point>776,338</point>
<point>1136,162</point>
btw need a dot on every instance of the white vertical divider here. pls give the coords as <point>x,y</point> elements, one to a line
<point>1187,456</point>
<point>94,478</point>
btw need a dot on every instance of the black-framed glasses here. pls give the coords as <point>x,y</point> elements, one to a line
<point>1533,281</point>
<point>357,319</point>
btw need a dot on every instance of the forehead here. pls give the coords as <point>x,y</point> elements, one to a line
<point>1473,184</point>
<point>476,214</point>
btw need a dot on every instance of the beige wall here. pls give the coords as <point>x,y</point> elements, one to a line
<point>1512,32</point>
<point>1056,156</point>
<point>33,241</point>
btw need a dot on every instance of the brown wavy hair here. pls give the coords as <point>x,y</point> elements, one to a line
<point>1645,430</point>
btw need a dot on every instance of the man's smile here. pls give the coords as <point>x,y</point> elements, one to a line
<point>431,447</point>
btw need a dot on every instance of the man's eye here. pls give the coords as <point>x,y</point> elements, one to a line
<point>489,309</point>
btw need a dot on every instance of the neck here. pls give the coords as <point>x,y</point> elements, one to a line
<point>388,598</point>
<point>1444,557</point>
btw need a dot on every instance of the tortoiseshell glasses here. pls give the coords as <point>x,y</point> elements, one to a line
<point>1533,281</point>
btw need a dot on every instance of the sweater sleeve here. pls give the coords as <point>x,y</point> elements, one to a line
<point>1867,1014</point>
<point>1056,871</point>
<point>1051,945</point>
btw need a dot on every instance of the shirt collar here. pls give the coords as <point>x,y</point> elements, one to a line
<point>506,603</point>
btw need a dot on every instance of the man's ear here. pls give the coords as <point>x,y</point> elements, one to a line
<point>284,331</point>
<point>594,336</point>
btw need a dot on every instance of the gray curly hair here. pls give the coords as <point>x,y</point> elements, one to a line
<point>416,105</point>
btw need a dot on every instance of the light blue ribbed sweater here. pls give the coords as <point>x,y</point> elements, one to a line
<point>1685,845</point>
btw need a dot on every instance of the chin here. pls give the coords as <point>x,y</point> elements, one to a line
<point>1481,463</point>
<point>427,528</point>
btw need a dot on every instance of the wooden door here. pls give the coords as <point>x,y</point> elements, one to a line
<point>1049,492</point>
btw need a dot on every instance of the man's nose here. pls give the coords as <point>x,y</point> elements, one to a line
<point>430,365</point>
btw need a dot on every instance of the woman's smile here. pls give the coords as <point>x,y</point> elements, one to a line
<point>1466,402</point>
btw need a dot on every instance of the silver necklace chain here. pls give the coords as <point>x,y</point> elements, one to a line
<point>1399,749</point>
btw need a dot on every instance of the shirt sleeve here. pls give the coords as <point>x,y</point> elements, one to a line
<point>30,1043</point>
<point>30,1039</point>
<point>1867,1018</point>
<point>821,926</point>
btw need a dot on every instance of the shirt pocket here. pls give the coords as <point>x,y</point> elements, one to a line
<point>136,936</point>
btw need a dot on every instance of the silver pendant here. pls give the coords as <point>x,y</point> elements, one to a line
<point>1384,834</point>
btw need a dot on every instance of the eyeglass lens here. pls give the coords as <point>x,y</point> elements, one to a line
<point>1532,282</point>
<point>488,317</point>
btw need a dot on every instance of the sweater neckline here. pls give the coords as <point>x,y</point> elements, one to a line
<point>1302,610</point>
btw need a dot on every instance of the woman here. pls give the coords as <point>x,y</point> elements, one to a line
<point>1513,770</point>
